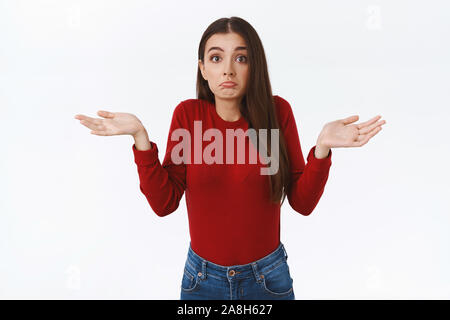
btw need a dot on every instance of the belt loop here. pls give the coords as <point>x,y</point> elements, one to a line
<point>285,253</point>
<point>203,269</point>
<point>255,271</point>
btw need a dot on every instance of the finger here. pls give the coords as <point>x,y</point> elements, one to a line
<point>103,131</point>
<point>99,133</point>
<point>92,125</point>
<point>80,117</point>
<point>93,120</point>
<point>105,114</point>
<point>86,118</point>
<point>350,119</point>
<point>371,127</point>
<point>368,122</point>
<point>365,138</point>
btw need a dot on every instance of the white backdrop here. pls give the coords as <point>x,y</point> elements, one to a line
<point>73,223</point>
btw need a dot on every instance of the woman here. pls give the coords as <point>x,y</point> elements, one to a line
<point>234,210</point>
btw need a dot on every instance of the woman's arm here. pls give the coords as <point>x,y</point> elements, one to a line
<point>162,184</point>
<point>141,140</point>
<point>307,180</point>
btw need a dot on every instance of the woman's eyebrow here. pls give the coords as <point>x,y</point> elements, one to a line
<point>219,48</point>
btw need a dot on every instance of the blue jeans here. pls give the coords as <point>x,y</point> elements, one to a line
<point>265,279</point>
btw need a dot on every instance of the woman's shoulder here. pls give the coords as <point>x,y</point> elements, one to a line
<point>184,107</point>
<point>190,105</point>
<point>284,111</point>
<point>281,103</point>
<point>189,110</point>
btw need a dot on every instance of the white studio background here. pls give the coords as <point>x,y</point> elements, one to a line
<point>73,222</point>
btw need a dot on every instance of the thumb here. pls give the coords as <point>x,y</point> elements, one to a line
<point>350,119</point>
<point>105,114</point>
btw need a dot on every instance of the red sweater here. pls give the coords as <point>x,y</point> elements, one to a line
<point>231,219</point>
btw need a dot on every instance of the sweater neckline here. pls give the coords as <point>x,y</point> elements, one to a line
<point>223,122</point>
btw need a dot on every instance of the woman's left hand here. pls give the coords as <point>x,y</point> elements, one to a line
<point>341,133</point>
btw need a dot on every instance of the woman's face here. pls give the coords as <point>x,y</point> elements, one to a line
<point>224,63</point>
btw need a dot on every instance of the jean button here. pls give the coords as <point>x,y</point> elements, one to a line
<point>231,273</point>
<point>199,274</point>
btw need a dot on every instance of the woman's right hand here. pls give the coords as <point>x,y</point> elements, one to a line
<point>115,123</point>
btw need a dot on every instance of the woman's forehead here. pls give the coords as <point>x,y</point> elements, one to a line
<point>224,42</point>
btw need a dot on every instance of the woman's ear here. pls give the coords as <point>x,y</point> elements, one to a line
<point>202,69</point>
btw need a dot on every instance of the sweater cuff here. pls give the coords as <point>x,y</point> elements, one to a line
<point>319,164</point>
<point>146,157</point>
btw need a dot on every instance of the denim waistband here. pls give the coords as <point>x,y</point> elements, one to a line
<point>203,268</point>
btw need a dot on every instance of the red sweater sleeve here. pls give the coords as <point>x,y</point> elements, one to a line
<point>308,181</point>
<point>163,185</point>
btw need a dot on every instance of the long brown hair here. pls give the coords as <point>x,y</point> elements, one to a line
<point>257,105</point>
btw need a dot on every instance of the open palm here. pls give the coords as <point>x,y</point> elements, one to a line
<point>341,133</point>
<point>114,123</point>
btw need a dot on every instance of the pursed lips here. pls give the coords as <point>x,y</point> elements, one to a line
<point>228,83</point>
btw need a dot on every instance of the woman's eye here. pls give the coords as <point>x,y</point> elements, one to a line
<point>243,57</point>
<point>212,58</point>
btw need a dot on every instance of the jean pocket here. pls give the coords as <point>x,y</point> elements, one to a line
<point>278,281</point>
<point>189,281</point>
